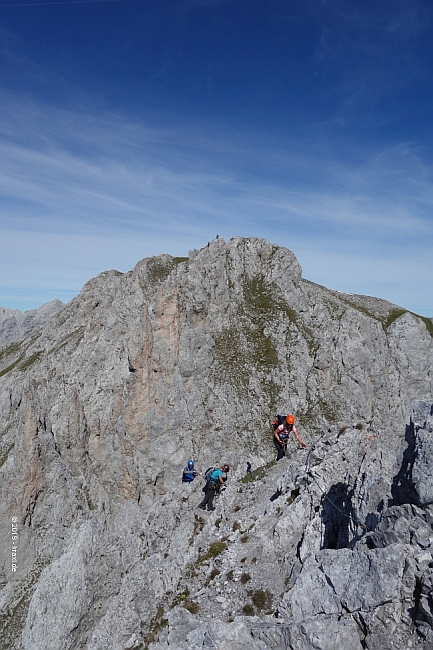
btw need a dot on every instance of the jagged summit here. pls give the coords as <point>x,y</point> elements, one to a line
<point>191,358</point>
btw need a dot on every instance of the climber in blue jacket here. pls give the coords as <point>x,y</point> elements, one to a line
<point>189,472</point>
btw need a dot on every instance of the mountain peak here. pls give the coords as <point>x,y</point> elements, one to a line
<point>191,358</point>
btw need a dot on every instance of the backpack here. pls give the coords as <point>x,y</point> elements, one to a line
<point>280,419</point>
<point>208,473</point>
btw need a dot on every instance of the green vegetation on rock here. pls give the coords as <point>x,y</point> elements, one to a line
<point>259,473</point>
<point>247,348</point>
<point>293,495</point>
<point>159,269</point>
<point>8,354</point>
<point>157,623</point>
<point>213,574</point>
<point>358,307</point>
<point>30,360</point>
<point>260,599</point>
<point>192,606</point>
<point>12,620</point>
<point>427,322</point>
<point>4,456</point>
<point>259,295</point>
<point>396,313</point>
<point>9,350</point>
<point>392,316</point>
<point>11,367</point>
<point>73,338</point>
<point>215,549</point>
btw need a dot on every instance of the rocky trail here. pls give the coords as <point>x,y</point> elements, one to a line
<point>354,573</point>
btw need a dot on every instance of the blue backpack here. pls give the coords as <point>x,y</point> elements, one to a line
<point>208,474</point>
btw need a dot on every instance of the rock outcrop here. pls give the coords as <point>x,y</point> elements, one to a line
<point>191,357</point>
<point>16,325</point>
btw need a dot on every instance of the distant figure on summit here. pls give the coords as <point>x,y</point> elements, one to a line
<point>284,425</point>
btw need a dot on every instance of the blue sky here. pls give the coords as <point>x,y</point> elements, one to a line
<point>132,128</point>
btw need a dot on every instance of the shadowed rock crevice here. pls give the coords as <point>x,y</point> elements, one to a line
<point>402,489</point>
<point>414,482</point>
<point>337,515</point>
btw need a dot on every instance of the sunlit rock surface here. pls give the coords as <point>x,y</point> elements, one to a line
<point>15,325</point>
<point>191,358</point>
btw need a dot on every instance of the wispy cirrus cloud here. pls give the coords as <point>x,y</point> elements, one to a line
<point>87,192</point>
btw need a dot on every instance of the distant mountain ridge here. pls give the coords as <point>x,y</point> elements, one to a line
<point>16,325</point>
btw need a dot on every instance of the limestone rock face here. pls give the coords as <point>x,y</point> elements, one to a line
<point>16,325</point>
<point>422,469</point>
<point>191,358</point>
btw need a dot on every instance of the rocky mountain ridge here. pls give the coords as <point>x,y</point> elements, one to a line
<point>16,325</point>
<point>191,357</point>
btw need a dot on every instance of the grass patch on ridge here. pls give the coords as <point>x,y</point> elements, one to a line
<point>259,473</point>
<point>4,456</point>
<point>215,549</point>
